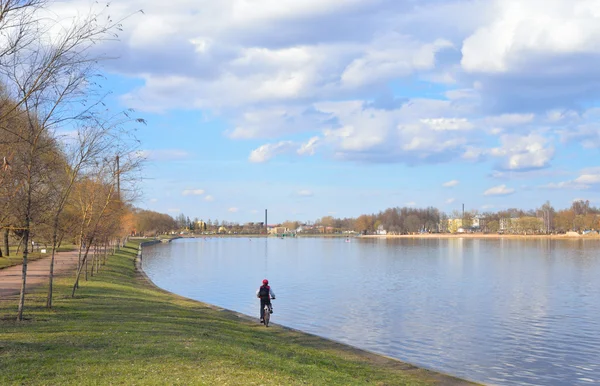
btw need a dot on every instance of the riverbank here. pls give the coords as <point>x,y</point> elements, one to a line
<point>120,329</point>
<point>483,236</point>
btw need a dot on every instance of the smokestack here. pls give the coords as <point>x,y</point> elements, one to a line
<point>463,214</point>
<point>266,226</point>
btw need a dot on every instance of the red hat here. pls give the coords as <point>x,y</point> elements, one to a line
<point>265,281</point>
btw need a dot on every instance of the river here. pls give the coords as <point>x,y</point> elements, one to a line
<point>496,311</point>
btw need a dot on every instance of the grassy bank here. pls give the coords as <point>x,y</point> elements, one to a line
<point>121,330</point>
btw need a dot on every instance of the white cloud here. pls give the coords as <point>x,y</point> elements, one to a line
<point>524,152</point>
<point>588,179</point>
<point>412,203</point>
<point>309,147</point>
<point>509,119</point>
<point>315,85</point>
<point>154,200</point>
<point>270,150</point>
<point>500,190</point>
<point>450,184</point>
<point>233,210</point>
<point>192,192</point>
<point>209,198</point>
<point>305,193</point>
<point>556,27</point>
<point>441,124</point>
<point>450,200</point>
<point>367,133</point>
<point>173,210</point>
<point>391,56</point>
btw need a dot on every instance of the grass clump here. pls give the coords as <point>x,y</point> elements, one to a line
<point>121,330</point>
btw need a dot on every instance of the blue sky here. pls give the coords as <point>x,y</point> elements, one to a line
<point>343,107</point>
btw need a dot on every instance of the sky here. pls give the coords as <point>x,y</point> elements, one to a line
<point>340,108</point>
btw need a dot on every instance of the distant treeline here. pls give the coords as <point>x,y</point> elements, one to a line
<point>400,220</point>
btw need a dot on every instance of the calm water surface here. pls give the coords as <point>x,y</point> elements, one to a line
<point>505,312</point>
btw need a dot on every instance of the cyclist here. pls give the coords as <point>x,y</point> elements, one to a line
<point>265,294</point>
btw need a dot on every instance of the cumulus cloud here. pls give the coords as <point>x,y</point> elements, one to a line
<point>450,184</point>
<point>588,178</point>
<point>450,200</point>
<point>518,76</point>
<point>522,27</point>
<point>536,54</point>
<point>388,57</point>
<point>399,135</point>
<point>192,192</point>
<point>270,150</point>
<point>524,152</point>
<point>309,147</point>
<point>233,210</point>
<point>209,198</point>
<point>500,190</point>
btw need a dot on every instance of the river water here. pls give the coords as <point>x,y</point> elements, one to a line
<point>497,311</point>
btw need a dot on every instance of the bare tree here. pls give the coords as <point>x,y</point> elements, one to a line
<point>48,71</point>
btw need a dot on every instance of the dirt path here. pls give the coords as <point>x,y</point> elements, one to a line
<point>37,273</point>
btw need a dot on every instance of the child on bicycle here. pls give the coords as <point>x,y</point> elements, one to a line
<point>265,294</point>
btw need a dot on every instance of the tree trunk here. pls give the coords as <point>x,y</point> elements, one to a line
<point>51,273</point>
<point>93,261</point>
<point>6,247</point>
<point>24,270</point>
<point>76,285</point>
<point>19,245</point>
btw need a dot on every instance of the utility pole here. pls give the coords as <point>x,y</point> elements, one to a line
<point>118,178</point>
<point>266,226</point>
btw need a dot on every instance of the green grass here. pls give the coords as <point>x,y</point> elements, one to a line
<point>120,330</point>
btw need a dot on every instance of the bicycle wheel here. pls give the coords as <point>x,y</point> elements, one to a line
<point>267,316</point>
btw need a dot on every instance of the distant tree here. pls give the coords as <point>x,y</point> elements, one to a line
<point>564,220</point>
<point>529,225</point>
<point>492,226</point>
<point>412,223</point>
<point>547,213</point>
<point>364,223</point>
<point>291,225</point>
<point>580,207</point>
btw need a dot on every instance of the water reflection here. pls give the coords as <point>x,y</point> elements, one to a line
<point>496,311</point>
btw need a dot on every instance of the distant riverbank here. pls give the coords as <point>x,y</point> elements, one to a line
<point>570,235</point>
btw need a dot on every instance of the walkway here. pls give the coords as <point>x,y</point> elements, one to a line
<point>37,273</point>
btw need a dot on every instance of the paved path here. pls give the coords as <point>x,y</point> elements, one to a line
<point>37,273</point>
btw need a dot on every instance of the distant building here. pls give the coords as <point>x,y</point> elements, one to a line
<point>454,224</point>
<point>381,231</point>
<point>277,230</point>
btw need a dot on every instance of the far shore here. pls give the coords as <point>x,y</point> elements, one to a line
<point>562,236</point>
<point>484,236</point>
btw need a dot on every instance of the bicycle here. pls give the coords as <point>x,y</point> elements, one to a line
<point>268,310</point>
